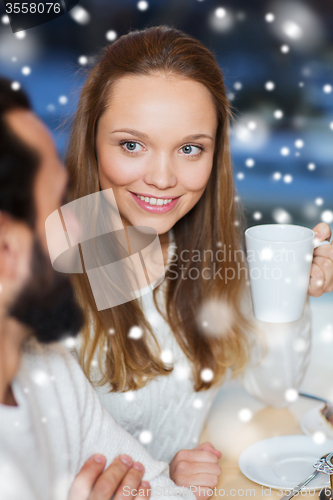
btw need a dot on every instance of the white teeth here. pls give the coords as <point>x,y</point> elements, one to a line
<point>155,201</point>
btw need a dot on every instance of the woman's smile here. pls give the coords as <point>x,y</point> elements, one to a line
<point>154,204</point>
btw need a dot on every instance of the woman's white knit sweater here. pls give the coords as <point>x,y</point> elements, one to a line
<point>167,415</point>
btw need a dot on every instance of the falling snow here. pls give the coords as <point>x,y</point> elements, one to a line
<point>198,403</point>
<point>15,85</point>
<point>285,151</point>
<point>277,176</point>
<point>83,60</point>
<point>63,100</point>
<point>143,5</point>
<point>327,216</point>
<point>167,356</point>
<point>220,12</point>
<point>281,216</point>
<point>250,162</point>
<point>287,178</point>
<point>207,374</point>
<point>270,17</point>
<point>111,35</point>
<point>135,332</point>
<point>278,114</point>
<point>20,35</point>
<point>70,342</point>
<point>145,437</point>
<point>80,15</point>
<point>245,415</point>
<point>319,437</point>
<point>129,395</point>
<point>326,334</point>
<point>299,143</point>
<point>269,86</point>
<point>40,377</point>
<point>291,395</point>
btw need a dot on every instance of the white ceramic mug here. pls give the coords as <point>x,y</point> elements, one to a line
<point>279,258</point>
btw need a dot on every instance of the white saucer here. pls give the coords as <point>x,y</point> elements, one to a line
<point>282,462</point>
<point>312,421</point>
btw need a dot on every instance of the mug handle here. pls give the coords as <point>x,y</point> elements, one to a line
<point>321,243</point>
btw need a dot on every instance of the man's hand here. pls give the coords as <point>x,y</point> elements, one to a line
<point>92,483</point>
<point>321,275</point>
<point>197,467</point>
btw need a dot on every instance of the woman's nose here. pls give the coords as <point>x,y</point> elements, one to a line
<point>160,173</point>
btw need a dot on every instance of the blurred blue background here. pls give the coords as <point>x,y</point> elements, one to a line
<point>277,61</point>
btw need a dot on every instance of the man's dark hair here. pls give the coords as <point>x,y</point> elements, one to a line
<point>18,161</point>
<point>46,303</point>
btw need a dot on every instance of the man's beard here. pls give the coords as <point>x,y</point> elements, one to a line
<point>46,303</point>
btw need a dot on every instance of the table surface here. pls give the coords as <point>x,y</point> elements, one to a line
<point>231,436</point>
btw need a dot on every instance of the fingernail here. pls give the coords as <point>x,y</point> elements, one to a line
<point>138,466</point>
<point>126,460</point>
<point>99,458</point>
<point>145,484</point>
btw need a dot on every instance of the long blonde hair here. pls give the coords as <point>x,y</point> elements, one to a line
<point>126,363</point>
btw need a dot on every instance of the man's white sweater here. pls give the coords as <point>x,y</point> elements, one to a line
<point>58,424</point>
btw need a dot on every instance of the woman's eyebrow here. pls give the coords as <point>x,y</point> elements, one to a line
<point>145,136</point>
<point>131,132</point>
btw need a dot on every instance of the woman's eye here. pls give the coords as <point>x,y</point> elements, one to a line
<point>131,146</point>
<point>191,150</point>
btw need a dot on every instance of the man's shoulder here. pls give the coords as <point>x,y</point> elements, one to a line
<point>52,360</point>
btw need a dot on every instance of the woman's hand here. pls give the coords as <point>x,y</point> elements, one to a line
<point>197,467</point>
<point>321,275</point>
<point>95,483</point>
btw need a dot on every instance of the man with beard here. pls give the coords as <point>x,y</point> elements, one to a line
<point>56,441</point>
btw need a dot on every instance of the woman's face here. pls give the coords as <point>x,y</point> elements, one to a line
<point>155,143</point>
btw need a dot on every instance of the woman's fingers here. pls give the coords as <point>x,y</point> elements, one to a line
<point>196,456</point>
<point>317,281</point>
<point>321,274</point>
<point>326,265</point>
<point>144,490</point>
<point>108,482</point>
<point>203,479</point>
<point>209,447</point>
<point>86,478</point>
<point>129,486</point>
<point>323,231</point>
<point>193,468</point>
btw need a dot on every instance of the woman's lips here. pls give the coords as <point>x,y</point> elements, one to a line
<point>155,209</point>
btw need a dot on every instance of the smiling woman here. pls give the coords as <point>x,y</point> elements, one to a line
<point>153,124</point>
<point>155,169</point>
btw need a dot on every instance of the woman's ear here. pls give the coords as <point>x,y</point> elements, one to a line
<point>15,253</point>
